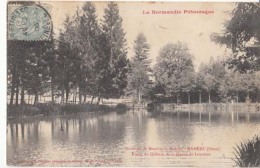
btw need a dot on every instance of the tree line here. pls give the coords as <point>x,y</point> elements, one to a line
<point>236,78</point>
<point>89,58</point>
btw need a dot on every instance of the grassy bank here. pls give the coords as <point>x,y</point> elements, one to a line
<point>48,109</point>
<point>239,107</point>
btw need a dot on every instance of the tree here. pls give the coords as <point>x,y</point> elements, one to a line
<point>138,78</point>
<point>68,59</point>
<point>248,85</point>
<point>89,35</point>
<point>12,69</point>
<point>239,31</point>
<point>233,83</point>
<point>212,77</point>
<point>28,67</point>
<point>115,51</point>
<point>174,68</point>
<point>209,84</point>
<point>257,84</point>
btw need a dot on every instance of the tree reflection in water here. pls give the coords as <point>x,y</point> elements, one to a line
<point>95,136</point>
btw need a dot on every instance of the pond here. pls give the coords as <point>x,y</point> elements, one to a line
<point>135,138</point>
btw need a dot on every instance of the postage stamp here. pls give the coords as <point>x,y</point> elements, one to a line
<point>29,22</point>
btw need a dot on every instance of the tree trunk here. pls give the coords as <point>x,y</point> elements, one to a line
<point>12,93</point>
<point>52,91</point>
<point>17,95</point>
<point>22,95</point>
<point>177,96</point>
<point>76,94</point>
<point>258,95</point>
<point>73,97</point>
<point>85,98</point>
<point>67,95</point>
<point>188,98</point>
<point>247,98</point>
<point>62,96</point>
<point>98,101</point>
<point>93,97</point>
<point>35,98</point>
<point>80,96</point>
<point>200,97</point>
<point>209,97</point>
<point>29,97</point>
<point>237,97</point>
<point>139,96</point>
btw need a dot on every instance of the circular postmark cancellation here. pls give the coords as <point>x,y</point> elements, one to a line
<point>30,22</point>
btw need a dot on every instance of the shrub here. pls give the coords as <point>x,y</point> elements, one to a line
<point>154,107</point>
<point>25,110</point>
<point>121,108</point>
<point>248,153</point>
<point>75,108</point>
<point>48,108</point>
<point>53,109</point>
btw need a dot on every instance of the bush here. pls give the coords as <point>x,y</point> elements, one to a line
<point>51,108</point>
<point>121,108</point>
<point>48,108</point>
<point>154,107</point>
<point>75,108</point>
<point>25,110</point>
<point>248,153</point>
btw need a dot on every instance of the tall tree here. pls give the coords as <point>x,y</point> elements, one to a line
<point>68,60</point>
<point>138,78</point>
<point>213,75</point>
<point>239,31</point>
<point>115,50</point>
<point>174,68</point>
<point>37,69</point>
<point>89,36</point>
<point>12,69</point>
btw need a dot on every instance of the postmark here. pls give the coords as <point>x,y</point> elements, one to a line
<point>29,22</point>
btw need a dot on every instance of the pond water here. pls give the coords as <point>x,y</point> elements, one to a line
<point>135,138</point>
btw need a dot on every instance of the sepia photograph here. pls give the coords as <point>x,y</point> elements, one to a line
<point>133,84</point>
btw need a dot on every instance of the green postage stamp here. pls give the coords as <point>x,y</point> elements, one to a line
<point>28,22</point>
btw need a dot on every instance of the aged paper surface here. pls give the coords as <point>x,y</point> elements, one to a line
<point>165,84</point>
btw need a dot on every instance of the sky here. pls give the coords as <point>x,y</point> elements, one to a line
<point>160,29</point>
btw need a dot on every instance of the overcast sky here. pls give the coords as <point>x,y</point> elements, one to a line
<point>160,29</point>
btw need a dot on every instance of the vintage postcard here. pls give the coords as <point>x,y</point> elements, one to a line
<point>133,84</point>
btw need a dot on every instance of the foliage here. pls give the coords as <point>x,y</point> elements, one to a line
<point>239,31</point>
<point>29,67</point>
<point>138,76</point>
<point>30,110</point>
<point>89,33</point>
<point>25,110</point>
<point>248,153</point>
<point>174,68</point>
<point>47,109</point>
<point>115,51</point>
<point>76,108</point>
<point>85,59</point>
<point>90,59</point>
<point>120,108</point>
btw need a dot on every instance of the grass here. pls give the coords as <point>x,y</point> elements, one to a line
<point>47,109</point>
<point>248,153</point>
<point>25,110</point>
<point>75,108</point>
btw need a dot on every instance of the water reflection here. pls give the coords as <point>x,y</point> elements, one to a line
<point>102,137</point>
